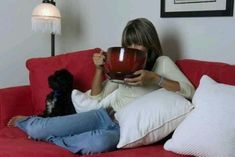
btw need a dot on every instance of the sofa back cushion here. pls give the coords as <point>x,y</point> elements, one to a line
<point>79,63</point>
<point>194,69</point>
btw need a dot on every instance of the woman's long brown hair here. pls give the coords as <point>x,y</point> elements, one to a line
<point>141,31</point>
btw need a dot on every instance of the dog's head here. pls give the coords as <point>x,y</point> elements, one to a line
<point>61,80</point>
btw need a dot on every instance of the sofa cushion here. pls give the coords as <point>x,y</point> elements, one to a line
<point>14,143</point>
<point>194,69</point>
<point>209,130</point>
<point>14,101</point>
<point>152,117</point>
<point>79,63</point>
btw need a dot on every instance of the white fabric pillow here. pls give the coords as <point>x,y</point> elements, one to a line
<point>209,130</point>
<point>151,118</point>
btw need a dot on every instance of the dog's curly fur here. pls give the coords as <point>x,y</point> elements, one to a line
<point>58,101</point>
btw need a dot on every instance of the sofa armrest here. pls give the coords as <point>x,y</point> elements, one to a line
<point>15,101</point>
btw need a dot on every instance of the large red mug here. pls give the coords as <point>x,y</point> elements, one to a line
<point>122,62</point>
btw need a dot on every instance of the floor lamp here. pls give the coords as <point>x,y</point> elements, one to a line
<point>46,18</point>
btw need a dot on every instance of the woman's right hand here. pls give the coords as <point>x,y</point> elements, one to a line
<point>99,59</point>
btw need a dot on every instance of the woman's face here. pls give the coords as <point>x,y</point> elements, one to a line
<point>139,47</point>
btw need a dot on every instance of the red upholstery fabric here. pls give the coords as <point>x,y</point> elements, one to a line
<point>194,69</point>
<point>78,63</point>
<point>146,151</point>
<point>14,101</point>
<point>14,143</point>
<point>17,100</point>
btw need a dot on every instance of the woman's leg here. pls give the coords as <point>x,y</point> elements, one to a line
<point>42,128</point>
<point>91,142</point>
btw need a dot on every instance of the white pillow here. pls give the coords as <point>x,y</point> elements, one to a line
<point>151,118</point>
<point>209,130</point>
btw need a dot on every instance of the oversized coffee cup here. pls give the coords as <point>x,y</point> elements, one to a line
<point>122,62</point>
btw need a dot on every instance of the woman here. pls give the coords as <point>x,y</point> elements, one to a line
<point>94,129</point>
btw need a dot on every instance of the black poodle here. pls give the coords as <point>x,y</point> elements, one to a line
<point>58,101</point>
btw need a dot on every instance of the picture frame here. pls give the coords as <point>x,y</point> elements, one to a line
<point>196,8</point>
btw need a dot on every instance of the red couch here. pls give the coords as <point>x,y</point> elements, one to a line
<point>29,100</point>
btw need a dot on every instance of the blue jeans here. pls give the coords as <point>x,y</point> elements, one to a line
<point>85,133</point>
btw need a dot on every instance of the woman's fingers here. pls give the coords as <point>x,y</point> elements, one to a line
<point>134,83</point>
<point>142,77</point>
<point>135,80</point>
<point>99,59</point>
<point>139,72</point>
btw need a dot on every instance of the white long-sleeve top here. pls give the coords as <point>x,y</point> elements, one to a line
<point>119,95</point>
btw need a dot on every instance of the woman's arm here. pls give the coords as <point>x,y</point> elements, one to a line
<point>148,77</point>
<point>166,83</point>
<point>97,87</point>
<point>100,89</point>
<point>98,59</point>
<point>166,68</point>
<point>167,75</point>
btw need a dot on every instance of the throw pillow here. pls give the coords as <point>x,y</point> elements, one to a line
<point>209,130</point>
<point>79,63</point>
<point>151,118</point>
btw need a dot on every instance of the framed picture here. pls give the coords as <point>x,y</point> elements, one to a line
<point>196,8</point>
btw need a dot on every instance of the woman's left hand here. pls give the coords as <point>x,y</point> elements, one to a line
<point>143,77</point>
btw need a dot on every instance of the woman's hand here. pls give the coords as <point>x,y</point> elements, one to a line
<point>143,77</point>
<point>99,59</point>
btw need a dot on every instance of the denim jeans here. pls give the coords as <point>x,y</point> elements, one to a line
<point>85,133</point>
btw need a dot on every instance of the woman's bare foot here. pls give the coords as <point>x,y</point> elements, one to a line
<point>13,120</point>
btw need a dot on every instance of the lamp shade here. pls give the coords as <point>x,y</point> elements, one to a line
<point>46,18</point>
